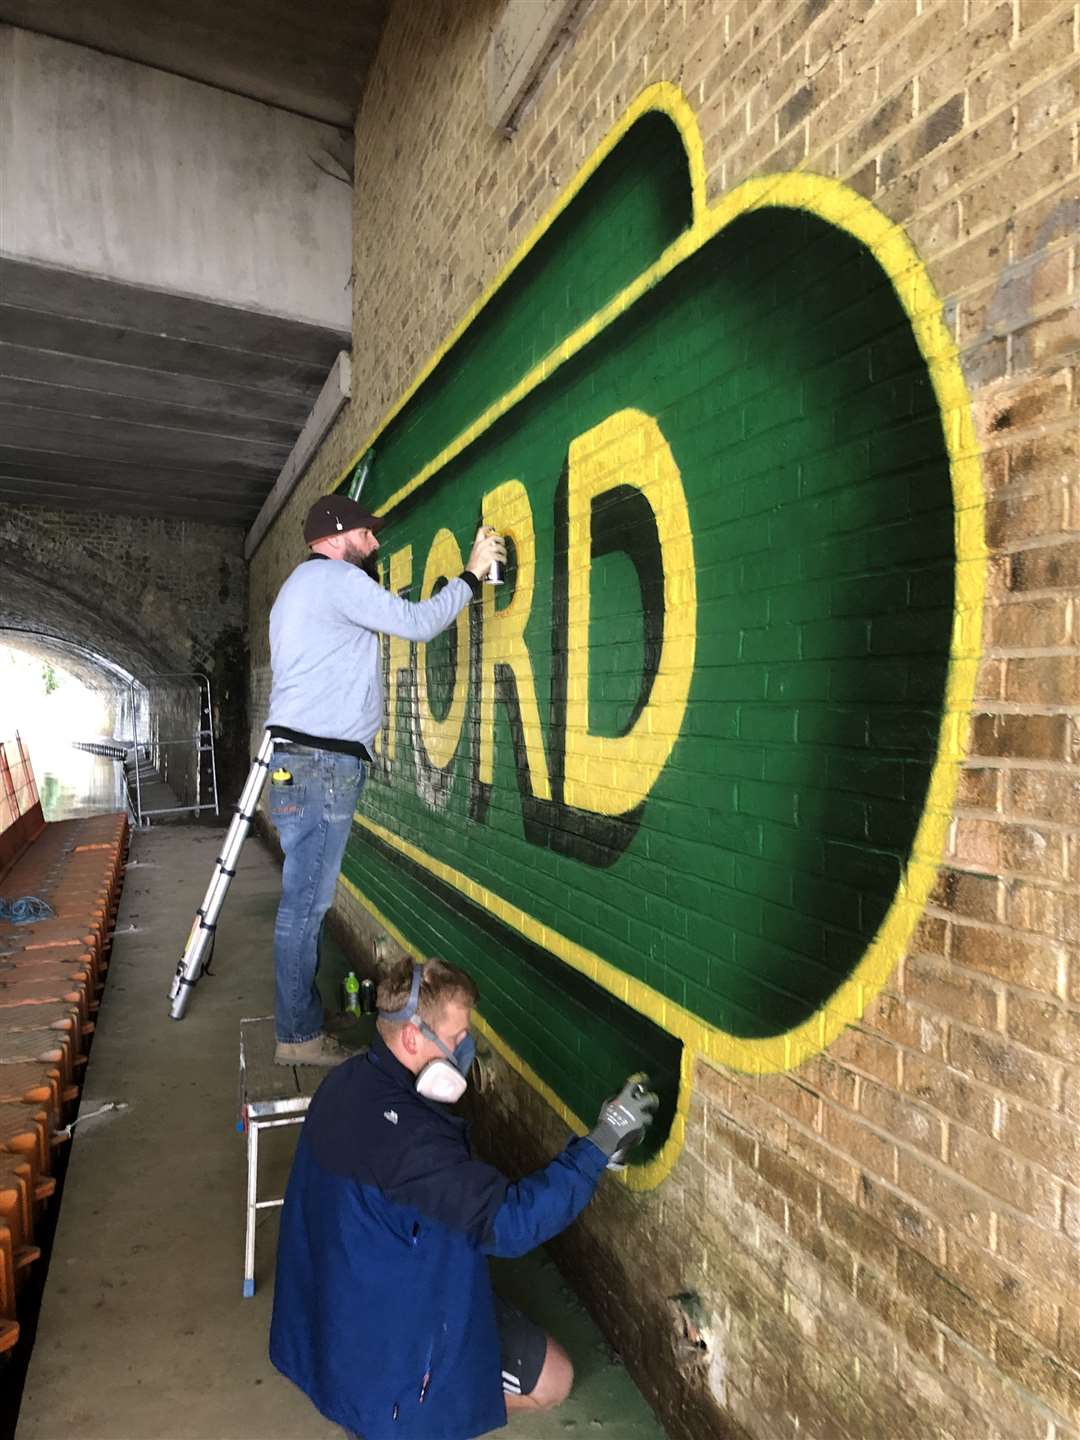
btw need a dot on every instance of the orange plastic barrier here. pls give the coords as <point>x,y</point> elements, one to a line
<point>21,820</point>
<point>9,1325</point>
<point>51,976</point>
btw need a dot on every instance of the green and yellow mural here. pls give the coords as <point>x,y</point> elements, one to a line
<point>680,786</point>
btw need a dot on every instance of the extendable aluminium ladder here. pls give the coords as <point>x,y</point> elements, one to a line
<point>200,941</point>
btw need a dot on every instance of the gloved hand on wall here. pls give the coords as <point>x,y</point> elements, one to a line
<point>623,1120</point>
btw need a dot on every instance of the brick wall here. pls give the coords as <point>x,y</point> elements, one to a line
<point>886,1239</point>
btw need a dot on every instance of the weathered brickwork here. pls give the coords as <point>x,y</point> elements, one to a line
<point>149,595</point>
<point>884,1241</point>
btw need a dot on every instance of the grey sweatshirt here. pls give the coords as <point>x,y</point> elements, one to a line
<point>324,646</point>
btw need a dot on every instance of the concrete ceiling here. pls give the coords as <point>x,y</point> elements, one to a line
<point>117,399</point>
<point>308,56</point>
<point>174,259</point>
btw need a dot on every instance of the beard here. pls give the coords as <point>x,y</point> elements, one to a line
<point>367,563</point>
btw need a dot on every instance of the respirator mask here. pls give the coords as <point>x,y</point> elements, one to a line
<point>445,1078</point>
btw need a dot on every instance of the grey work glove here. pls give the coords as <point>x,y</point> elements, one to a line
<point>623,1120</point>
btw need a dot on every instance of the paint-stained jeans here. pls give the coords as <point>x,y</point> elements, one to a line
<point>313,816</point>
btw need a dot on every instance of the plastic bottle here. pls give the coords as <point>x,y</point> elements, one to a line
<point>352,994</point>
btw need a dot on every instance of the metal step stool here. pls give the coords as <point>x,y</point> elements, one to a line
<point>270,1095</point>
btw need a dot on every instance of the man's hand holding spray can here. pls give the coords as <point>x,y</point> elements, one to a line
<point>488,556</point>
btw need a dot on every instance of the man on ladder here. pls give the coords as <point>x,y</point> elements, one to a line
<point>326,705</point>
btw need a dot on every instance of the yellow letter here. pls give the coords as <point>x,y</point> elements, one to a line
<point>604,774</point>
<point>507,510</point>
<point>400,579</point>
<point>441,736</point>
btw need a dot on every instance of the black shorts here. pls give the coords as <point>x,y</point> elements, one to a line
<point>524,1349</point>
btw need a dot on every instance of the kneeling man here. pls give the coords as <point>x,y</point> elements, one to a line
<point>384,1313</point>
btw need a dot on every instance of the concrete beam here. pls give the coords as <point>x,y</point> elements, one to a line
<point>169,308</point>
<point>130,174</point>
<point>308,56</point>
<point>332,399</point>
<point>527,36</point>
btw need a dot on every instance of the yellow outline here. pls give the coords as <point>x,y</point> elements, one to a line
<point>842,207</point>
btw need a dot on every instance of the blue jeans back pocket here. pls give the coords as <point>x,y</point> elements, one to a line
<point>286,801</point>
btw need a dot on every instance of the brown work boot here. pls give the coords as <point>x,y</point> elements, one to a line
<point>322,1050</point>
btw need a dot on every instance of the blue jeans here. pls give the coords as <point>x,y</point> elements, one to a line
<point>313,817</point>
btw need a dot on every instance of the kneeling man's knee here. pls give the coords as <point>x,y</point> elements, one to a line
<point>556,1378</point>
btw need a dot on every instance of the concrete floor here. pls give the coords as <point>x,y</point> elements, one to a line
<point>143,1331</point>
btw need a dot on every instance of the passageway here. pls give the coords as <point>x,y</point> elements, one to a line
<point>144,1303</point>
<point>747,328</point>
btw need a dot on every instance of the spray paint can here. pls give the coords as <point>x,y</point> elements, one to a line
<point>495,575</point>
<point>367,997</point>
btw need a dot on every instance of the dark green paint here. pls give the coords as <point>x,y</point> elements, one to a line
<point>785,377</point>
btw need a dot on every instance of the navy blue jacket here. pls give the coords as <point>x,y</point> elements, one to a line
<point>382,1278</point>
